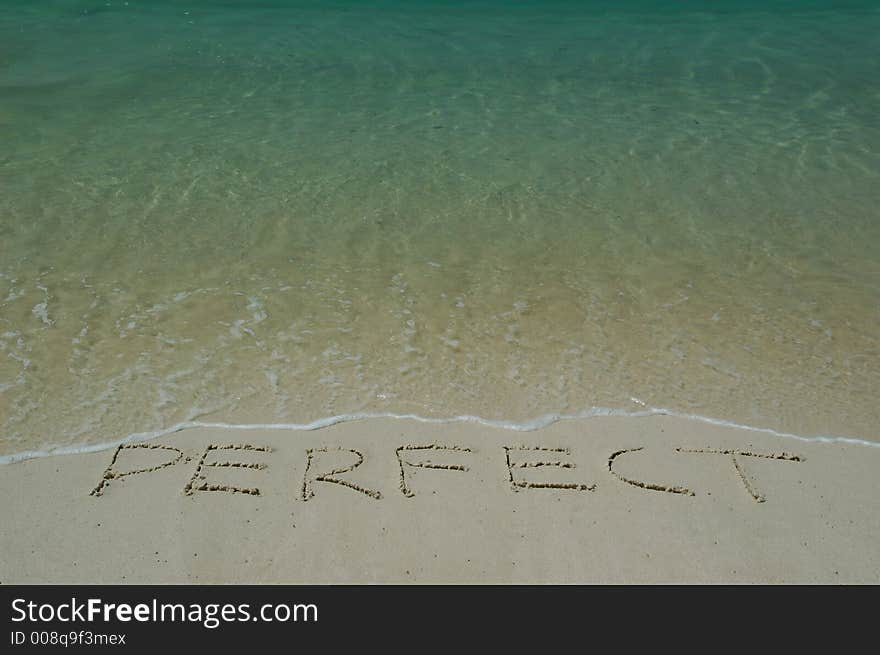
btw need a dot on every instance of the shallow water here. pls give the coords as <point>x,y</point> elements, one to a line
<point>281,211</point>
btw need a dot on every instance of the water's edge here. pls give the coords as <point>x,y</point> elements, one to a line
<point>522,426</point>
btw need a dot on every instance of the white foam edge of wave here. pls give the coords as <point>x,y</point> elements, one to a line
<point>523,426</point>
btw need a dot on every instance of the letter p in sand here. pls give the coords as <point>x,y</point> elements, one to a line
<point>111,473</point>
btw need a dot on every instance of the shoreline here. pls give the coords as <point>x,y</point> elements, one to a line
<point>389,500</point>
<point>538,423</point>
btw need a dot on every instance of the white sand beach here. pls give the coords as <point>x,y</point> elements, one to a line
<point>598,500</point>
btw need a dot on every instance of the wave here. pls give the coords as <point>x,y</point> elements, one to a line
<point>531,425</point>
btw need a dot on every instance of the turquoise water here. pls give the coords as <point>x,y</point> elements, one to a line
<point>280,211</point>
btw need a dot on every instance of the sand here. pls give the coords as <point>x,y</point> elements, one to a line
<point>598,500</point>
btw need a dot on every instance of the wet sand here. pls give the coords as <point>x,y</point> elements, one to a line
<point>599,500</point>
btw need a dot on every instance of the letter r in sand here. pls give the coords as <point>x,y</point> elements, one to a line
<point>330,476</point>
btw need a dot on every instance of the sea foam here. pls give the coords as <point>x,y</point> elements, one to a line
<point>530,425</point>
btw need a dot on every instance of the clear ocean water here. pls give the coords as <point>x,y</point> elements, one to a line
<point>278,211</point>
